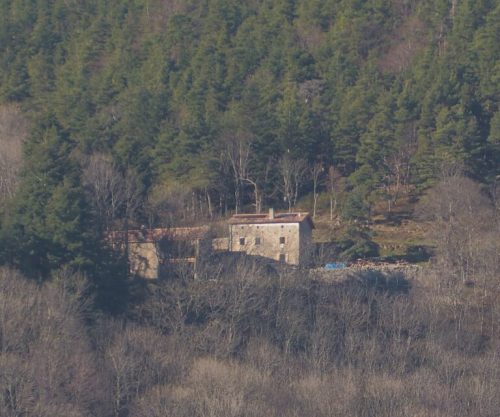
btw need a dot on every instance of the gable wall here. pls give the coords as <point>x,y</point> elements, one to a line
<point>269,234</point>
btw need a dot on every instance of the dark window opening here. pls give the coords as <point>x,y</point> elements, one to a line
<point>282,240</point>
<point>257,240</point>
<point>242,241</point>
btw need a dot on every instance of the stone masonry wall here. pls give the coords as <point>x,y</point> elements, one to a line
<point>269,235</point>
<point>144,260</point>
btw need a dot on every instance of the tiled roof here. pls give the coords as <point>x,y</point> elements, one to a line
<point>155,235</point>
<point>297,217</point>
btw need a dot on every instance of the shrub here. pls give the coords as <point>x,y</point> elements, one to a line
<point>356,243</point>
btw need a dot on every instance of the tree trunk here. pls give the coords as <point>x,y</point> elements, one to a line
<point>209,204</point>
<point>258,200</point>
<point>237,198</point>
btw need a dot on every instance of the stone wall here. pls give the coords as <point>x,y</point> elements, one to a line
<point>220,244</point>
<point>306,243</point>
<point>264,240</point>
<point>144,260</point>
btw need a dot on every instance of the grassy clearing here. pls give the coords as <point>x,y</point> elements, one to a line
<point>399,233</point>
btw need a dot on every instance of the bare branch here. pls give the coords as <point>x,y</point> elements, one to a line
<point>293,172</point>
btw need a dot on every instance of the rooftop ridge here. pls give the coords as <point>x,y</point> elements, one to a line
<point>284,217</point>
<point>284,213</point>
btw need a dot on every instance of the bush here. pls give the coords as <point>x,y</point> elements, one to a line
<point>356,243</point>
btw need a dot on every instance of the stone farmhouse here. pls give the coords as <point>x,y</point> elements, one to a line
<point>284,237</point>
<point>152,250</point>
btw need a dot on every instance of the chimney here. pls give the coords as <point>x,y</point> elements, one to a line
<point>271,213</point>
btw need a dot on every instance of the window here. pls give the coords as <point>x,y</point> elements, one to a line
<point>282,258</point>
<point>282,240</point>
<point>242,241</point>
<point>257,241</point>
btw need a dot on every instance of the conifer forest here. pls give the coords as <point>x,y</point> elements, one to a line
<point>380,118</point>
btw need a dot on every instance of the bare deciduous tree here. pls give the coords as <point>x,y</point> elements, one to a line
<point>137,359</point>
<point>398,165</point>
<point>463,218</point>
<point>293,172</point>
<point>238,155</point>
<point>166,204</point>
<point>316,171</point>
<point>132,196</point>
<point>333,185</point>
<point>47,366</point>
<point>237,151</point>
<point>252,343</point>
<point>113,194</point>
<point>107,188</point>
<point>407,40</point>
<point>257,193</point>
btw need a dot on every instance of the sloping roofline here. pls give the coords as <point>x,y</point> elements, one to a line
<point>155,235</point>
<point>297,217</point>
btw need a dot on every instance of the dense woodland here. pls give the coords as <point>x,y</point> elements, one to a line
<point>125,113</point>
<point>160,112</point>
<point>253,343</point>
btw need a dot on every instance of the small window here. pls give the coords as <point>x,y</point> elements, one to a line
<point>242,241</point>
<point>282,258</point>
<point>257,240</point>
<point>282,240</point>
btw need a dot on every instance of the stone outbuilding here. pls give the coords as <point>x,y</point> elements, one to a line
<point>284,237</point>
<point>151,251</point>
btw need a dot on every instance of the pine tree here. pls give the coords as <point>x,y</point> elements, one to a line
<point>50,221</point>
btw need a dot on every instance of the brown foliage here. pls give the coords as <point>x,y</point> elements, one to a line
<point>465,230</point>
<point>46,362</point>
<point>407,41</point>
<point>247,341</point>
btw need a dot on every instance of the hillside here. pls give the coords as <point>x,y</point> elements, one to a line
<point>164,112</point>
<point>121,120</point>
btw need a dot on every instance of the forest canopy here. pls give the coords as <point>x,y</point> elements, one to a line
<point>200,108</point>
<point>125,114</point>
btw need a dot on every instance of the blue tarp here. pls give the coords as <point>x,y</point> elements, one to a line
<point>335,265</point>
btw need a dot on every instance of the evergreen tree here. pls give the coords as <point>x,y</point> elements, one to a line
<point>150,84</point>
<point>50,221</point>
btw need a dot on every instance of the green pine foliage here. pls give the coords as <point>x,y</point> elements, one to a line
<point>360,85</point>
